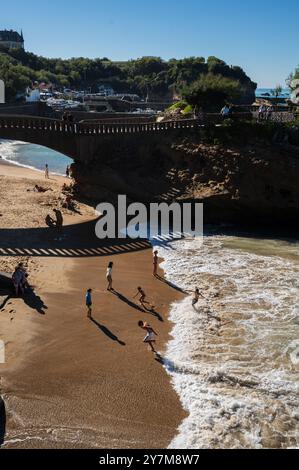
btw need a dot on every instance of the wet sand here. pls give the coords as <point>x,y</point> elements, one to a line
<point>69,382</point>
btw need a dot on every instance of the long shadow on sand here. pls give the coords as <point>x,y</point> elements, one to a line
<point>128,301</point>
<point>2,421</point>
<point>107,332</point>
<point>131,304</point>
<point>77,241</point>
<point>34,301</point>
<point>170,284</point>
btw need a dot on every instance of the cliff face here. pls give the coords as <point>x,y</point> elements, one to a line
<point>256,181</point>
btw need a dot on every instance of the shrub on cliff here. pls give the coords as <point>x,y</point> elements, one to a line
<point>210,92</point>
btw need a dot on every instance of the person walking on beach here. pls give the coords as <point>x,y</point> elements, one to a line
<point>150,334</point>
<point>67,172</point>
<point>88,301</point>
<point>155,263</point>
<point>109,277</point>
<point>47,175</point>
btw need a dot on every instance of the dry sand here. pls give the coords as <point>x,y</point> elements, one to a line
<point>69,382</point>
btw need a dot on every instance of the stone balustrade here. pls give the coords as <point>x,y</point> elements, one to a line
<point>129,126</point>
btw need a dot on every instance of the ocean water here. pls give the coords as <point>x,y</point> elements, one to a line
<point>234,361</point>
<point>260,92</point>
<point>33,156</point>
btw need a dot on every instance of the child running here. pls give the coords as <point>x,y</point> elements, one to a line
<point>89,303</point>
<point>142,297</point>
<point>150,334</point>
<point>195,299</point>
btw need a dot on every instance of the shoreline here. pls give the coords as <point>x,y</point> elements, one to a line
<point>14,169</point>
<point>47,159</point>
<point>93,383</point>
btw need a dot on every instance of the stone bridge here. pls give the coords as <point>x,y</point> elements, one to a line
<point>81,141</point>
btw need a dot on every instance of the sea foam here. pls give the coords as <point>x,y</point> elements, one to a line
<point>234,359</point>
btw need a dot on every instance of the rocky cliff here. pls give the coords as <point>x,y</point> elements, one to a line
<point>239,174</point>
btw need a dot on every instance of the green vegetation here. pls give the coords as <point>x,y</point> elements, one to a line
<point>277,91</point>
<point>181,107</point>
<point>248,132</point>
<point>194,78</point>
<point>293,81</point>
<point>211,91</point>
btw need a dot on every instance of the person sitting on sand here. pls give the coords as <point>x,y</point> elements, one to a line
<point>88,300</point>
<point>59,219</point>
<point>68,203</point>
<point>58,223</point>
<point>150,335</point>
<point>24,274</point>
<point>40,189</point>
<point>109,276</point>
<point>155,263</point>
<point>50,222</point>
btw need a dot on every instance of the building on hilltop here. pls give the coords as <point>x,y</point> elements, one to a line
<point>11,39</point>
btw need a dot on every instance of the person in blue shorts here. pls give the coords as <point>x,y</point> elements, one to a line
<point>89,303</point>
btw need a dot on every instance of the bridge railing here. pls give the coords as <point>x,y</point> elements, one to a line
<point>34,124</point>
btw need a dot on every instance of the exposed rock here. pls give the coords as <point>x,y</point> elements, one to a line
<point>255,180</point>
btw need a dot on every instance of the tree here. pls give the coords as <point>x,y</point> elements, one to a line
<point>211,92</point>
<point>145,76</point>
<point>277,91</point>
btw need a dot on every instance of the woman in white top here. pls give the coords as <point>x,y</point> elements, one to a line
<point>150,334</point>
<point>109,276</point>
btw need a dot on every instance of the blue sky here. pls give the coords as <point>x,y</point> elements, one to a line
<point>261,36</point>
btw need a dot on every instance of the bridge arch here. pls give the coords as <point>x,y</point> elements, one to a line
<point>34,156</point>
<point>41,131</point>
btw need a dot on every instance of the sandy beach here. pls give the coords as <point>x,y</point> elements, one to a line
<point>69,382</point>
